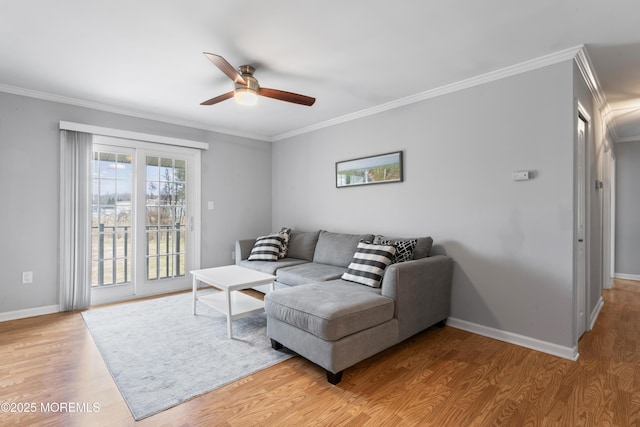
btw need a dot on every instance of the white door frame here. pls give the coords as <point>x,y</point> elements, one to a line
<point>140,287</point>
<point>581,220</point>
<point>608,227</point>
<point>608,284</point>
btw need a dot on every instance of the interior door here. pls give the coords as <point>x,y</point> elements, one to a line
<point>581,227</point>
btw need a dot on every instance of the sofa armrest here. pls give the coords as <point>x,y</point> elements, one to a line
<point>243,249</point>
<point>421,290</point>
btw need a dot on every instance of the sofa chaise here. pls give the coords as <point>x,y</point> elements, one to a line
<point>326,315</point>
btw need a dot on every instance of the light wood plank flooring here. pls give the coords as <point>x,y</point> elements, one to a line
<point>441,377</point>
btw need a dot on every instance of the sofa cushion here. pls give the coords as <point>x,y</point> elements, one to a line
<point>329,310</point>
<point>302,245</point>
<point>270,267</point>
<point>368,264</point>
<point>337,248</point>
<point>404,247</point>
<point>308,273</point>
<point>423,246</point>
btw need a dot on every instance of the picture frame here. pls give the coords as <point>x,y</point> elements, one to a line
<point>378,169</point>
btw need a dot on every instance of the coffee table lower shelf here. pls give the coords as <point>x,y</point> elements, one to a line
<point>241,305</point>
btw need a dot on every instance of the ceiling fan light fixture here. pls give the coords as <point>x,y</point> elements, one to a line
<point>246,87</point>
<point>245,96</point>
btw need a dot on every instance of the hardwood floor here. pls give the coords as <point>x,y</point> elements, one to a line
<point>441,377</point>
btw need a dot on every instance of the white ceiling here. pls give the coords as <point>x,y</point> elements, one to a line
<point>144,57</point>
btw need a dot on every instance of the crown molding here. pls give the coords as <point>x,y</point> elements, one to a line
<point>628,139</point>
<point>583,61</point>
<point>15,90</point>
<point>522,67</point>
<point>577,53</point>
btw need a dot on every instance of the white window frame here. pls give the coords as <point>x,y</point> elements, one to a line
<point>151,144</point>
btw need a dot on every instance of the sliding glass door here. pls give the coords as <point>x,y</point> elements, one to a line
<point>145,209</point>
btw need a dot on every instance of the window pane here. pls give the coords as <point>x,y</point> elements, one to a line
<point>152,243</point>
<point>152,266</point>
<point>166,216</point>
<point>124,216</point>
<point>164,267</point>
<point>108,273</point>
<point>166,170</point>
<point>123,169</point>
<point>107,165</point>
<point>180,170</point>
<point>152,216</point>
<point>180,194</point>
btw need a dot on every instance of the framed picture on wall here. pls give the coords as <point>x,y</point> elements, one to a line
<point>378,169</point>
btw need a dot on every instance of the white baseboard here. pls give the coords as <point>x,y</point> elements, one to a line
<point>570,353</point>
<point>29,312</point>
<point>595,313</point>
<point>99,298</point>
<point>627,276</point>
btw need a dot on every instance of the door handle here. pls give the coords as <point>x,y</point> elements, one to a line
<point>580,240</point>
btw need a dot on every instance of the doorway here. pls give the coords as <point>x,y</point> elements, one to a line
<point>580,243</point>
<point>144,218</point>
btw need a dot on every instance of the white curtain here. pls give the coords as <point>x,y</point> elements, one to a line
<point>75,220</point>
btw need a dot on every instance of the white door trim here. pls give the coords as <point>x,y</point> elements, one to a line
<point>581,231</point>
<point>140,287</point>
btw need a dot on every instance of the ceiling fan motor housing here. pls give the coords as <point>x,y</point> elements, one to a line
<point>247,74</point>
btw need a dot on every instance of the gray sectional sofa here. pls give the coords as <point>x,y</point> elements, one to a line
<point>337,323</point>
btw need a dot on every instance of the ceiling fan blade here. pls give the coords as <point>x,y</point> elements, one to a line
<point>218,98</point>
<point>225,67</point>
<point>287,96</point>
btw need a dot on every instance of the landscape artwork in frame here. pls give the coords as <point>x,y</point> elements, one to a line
<point>380,169</point>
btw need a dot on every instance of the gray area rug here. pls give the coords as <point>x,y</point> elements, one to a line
<point>160,354</point>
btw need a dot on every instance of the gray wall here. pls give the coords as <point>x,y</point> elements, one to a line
<point>512,242</point>
<point>235,175</point>
<point>627,208</point>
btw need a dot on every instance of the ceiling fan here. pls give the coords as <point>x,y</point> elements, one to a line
<point>246,87</point>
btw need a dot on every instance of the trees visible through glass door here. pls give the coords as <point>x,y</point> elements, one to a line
<point>165,217</point>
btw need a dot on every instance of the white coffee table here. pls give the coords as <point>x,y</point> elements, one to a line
<point>228,279</point>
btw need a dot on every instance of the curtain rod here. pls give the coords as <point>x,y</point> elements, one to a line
<point>118,133</point>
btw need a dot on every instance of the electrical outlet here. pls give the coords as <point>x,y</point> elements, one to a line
<point>520,175</point>
<point>27,277</point>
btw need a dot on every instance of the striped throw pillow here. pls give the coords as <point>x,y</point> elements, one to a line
<point>267,248</point>
<point>368,264</point>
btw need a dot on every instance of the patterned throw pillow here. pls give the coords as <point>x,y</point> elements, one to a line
<point>267,248</point>
<point>368,264</point>
<point>404,247</point>
<point>286,234</point>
